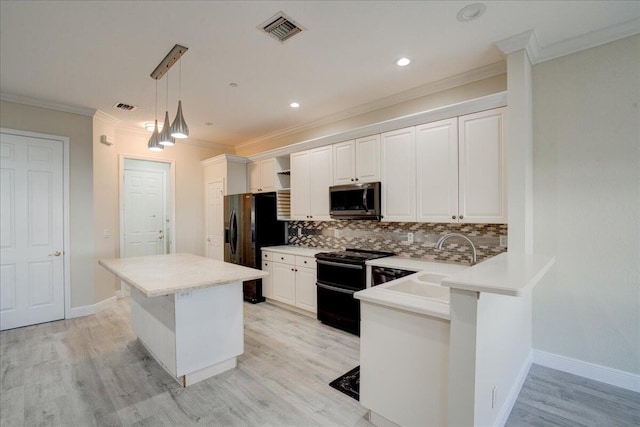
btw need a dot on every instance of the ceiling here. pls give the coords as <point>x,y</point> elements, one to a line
<point>96,54</point>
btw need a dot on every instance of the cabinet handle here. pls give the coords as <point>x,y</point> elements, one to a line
<point>292,269</point>
<point>357,179</point>
<point>305,262</point>
<point>209,239</point>
<point>453,217</point>
<point>282,258</point>
<point>265,255</point>
<point>461,217</point>
<point>351,179</point>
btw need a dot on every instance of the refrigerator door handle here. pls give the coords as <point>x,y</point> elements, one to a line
<point>233,233</point>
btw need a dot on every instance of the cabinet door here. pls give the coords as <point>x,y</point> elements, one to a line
<point>306,294</point>
<point>482,185</point>
<point>268,175</point>
<point>368,159</point>
<point>267,281</point>
<point>320,179</point>
<point>300,186</point>
<point>399,175</point>
<point>284,283</point>
<point>437,171</point>
<point>253,176</point>
<point>344,158</point>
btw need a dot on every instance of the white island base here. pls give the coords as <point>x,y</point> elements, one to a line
<point>194,335</point>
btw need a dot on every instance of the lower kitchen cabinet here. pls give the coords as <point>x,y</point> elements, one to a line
<point>292,281</point>
<point>267,282</point>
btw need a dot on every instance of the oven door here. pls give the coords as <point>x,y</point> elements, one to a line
<point>338,308</point>
<point>348,276</point>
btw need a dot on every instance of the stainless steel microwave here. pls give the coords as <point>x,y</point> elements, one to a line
<point>355,201</point>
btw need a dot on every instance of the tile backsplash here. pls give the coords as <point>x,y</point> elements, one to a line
<point>392,237</point>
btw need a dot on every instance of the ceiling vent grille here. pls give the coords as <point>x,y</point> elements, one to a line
<point>125,107</point>
<point>281,27</point>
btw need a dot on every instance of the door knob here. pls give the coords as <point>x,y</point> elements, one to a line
<point>56,253</point>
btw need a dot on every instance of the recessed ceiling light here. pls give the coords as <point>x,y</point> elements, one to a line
<point>233,84</point>
<point>149,127</point>
<point>294,105</point>
<point>208,123</point>
<point>471,12</point>
<point>402,62</point>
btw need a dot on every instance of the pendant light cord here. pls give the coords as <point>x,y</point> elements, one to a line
<point>166,105</point>
<point>156,102</point>
<point>180,81</point>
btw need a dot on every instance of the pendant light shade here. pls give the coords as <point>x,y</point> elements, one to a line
<point>179,128</point>
<point>154,142</point>
<point>165,137</point>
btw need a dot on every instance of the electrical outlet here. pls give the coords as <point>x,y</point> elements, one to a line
<point>106,233</point>
<point>336,233</point>
<point>494,397</point>
<point>503,241</point>
<point>299,232</point>
<point>410,237</point>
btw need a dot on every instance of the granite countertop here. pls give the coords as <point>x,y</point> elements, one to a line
<point>297,250</point>
<point>157,275</point>
<point>506,274</point>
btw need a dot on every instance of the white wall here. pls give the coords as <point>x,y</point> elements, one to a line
<point>587,204</point>
<point>79,130</point>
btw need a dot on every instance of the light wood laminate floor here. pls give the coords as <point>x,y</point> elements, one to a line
<point>93,371</point>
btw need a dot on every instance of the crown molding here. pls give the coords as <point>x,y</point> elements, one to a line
<point>537,54</point>
<point>83,111</point>
<point>527,41</point>
<point>107,118</point>
<point>187,141</point>
<point>224,158</point>
<point>588,40</point>
<point>471,76</point>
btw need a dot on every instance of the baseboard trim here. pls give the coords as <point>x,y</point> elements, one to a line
<point>88,310</point>
<point>588,370</point>
<point>507,406</point>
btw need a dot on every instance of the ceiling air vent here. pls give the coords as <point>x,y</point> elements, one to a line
<point>280,27</point>
<point>125,107</point>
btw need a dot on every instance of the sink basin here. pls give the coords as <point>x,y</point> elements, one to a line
<point>422,289</point>
<point>430,278</point>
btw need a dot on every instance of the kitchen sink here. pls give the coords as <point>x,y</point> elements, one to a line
<point>422,288</point>
<point>430,278</point>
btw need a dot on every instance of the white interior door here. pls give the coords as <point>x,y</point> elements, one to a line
<point>144,213</point>
<point>215,220</point>
<point>31,231</point>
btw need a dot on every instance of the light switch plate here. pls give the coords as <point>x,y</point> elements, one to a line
<point>410,237</point>
<point>503,241</point>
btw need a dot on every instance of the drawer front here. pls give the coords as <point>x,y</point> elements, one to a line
<point>305,261</point>
<point>267,255</point>
<point>284,258</point>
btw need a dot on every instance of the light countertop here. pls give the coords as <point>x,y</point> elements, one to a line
<point>157,275</point>
<point>297,250</point>
<point>507,274</point>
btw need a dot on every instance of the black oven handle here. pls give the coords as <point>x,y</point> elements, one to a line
<point>339,264</point>
<point>335,288</point>
<point>364,200</point>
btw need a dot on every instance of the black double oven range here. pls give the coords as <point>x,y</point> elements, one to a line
<point>339,276</point>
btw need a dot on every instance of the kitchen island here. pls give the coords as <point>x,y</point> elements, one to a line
<point>187,311</point>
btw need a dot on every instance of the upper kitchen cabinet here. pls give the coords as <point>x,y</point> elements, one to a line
<point>357,160</point>
<point>268,175</point>
<point>437,171</point>
<point>482,183</point>
<point>398,153</point>
<point>460,169</point>
<point>311,177</point>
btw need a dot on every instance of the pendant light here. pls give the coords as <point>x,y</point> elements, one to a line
<point>179,128</point>
<point>165,135</point>
<point>154,142</point>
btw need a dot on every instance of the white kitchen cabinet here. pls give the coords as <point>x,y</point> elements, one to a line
<point>267,281</point>
<point>293,280</point>
<point>261,176</point>
<point>482,167</point>
<point>284,283</point>
<point>399,175</point>
<point>357,160</point>
<point>437,171</point>
<point>311,177</point>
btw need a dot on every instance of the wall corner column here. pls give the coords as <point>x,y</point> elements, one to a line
<point>520,52</point>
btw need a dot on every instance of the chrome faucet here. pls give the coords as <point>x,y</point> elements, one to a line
<point>446,237</point>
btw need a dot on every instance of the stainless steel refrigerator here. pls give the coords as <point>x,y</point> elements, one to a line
<point>251,223</point>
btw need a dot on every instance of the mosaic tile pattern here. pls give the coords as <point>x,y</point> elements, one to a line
<point>392,236</point>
